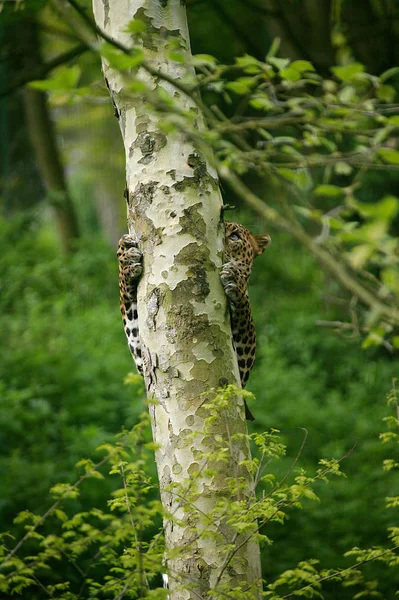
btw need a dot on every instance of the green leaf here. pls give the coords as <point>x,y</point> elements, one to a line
<point>328,190</point>
<point>290,74</point>
<point>121,61</point>
<point>136,26</point>
<point>238,87</point>
<point>390,277</point>
<point>137,87</point>
<point>359,256</point>
<point>261,102</point>
<point>386,93</point>
<point>386,209</point>
<point>204,60</point>
<point>65,78</point>
<point>279,63</point>
<point>375,338</point>
<point>302,65</point>
<point>349,72</point>
<point>395,341</point>
<point>176,56</point>
<point>389,155</point>
<point>394,120</point>
<point>347,94</point>
<point>343,168</point>
<point>301,177</point>
<point>274,48</point>
<point>249,63</point>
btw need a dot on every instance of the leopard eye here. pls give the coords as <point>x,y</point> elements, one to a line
<point>234,237</point>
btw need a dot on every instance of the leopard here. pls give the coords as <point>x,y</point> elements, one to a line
<point>240,250</point>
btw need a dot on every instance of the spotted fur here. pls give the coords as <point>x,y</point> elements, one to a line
<point>241,248</point>
<point>130,268</point>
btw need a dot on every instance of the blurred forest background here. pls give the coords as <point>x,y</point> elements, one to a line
<point>64,358</point>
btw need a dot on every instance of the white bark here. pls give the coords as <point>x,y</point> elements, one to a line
<point>174,207</point>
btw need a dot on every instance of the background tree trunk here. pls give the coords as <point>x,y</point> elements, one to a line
<point>174,207</point>
<point>43,138</point>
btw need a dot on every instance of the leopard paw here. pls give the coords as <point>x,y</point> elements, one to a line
<point>230,284</point>
<point>130,257</point>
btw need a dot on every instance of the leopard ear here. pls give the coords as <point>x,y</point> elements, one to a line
<point>262,242</point>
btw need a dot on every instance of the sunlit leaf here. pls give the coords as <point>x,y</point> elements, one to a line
<point>395,341</point>
<point>261,102</point>
<point>279,63</point>
<point>386,93</point>
<point>299,177</point>
<point>136,26</point>
<point>359,256</point>
<point>343,168</point>
<point>65,78</point>
<point>204,60</point>
<point>120,60</point>
<point>385,209</point>
<point>328,190</point>
<point>390,277</point>
<point>348,72</point>
<point>347,94</point>
<point>176,56</point>
<point>249,63</point>
<point>389,155</point>
<point>238,87</point>
<point>375,338</point>
<point>290,74</point>
<point>302,65</point>
<point>274,48</point>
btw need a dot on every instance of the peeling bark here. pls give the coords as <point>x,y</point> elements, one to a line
<point>174,209</point>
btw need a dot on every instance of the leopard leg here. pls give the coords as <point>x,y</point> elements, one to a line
<point>130,268</point>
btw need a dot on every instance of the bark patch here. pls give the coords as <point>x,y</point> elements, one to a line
<point>149,143</point>
<point>193,222</point>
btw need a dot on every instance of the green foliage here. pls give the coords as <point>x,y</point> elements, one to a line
<point>106,547</point>
<point>118,550</point>
<point>322,150</point>
<point>60,378</point>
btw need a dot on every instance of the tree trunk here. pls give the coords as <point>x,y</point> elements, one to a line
<point>42,135</point>
<point>43,139</point>
<point>174,208</point>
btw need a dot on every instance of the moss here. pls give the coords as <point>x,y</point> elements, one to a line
<point>201,178</point>
<point>193,222</point>
<point>197,163</point>
<point>149,36</point>
<point>197,259</point>
<point>200,370</point>
<point>190,254</point>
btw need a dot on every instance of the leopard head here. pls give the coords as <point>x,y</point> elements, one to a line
<point>242,247</point>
